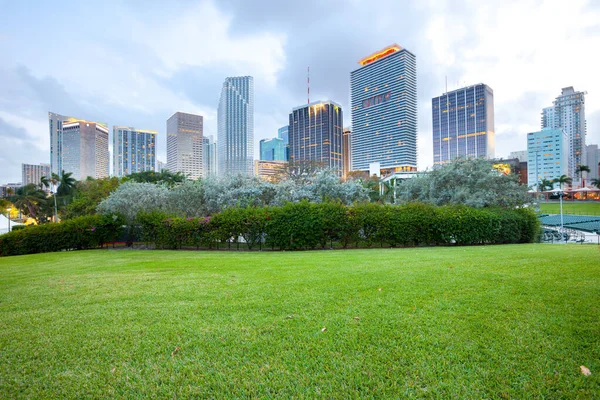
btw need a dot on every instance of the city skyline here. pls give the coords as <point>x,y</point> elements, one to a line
<point>160,78</point>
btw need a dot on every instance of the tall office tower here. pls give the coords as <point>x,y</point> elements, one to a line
<point>235,140</point>
<point>283,133</point>
<point>272,150</point>
<point>184,144</point>
<point>210,156</point>
<point>82,148</point>
<point>384,111</point>
<point>55,122</point>
<point>346,152</point>
<point>134,150</point>
<point>593,158</point>
<point>521,155</point>
<point>547,154</point>
<point>32,173</point>
<point>463,124</point>
<point>568,113</point>
<point>316,134</point>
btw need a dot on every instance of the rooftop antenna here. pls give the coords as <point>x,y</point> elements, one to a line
<point>308,83</point>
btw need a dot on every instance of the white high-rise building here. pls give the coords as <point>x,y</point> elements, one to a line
<point>521,155</point>
<point>185,144</point>
<point>548,155</point>
<point>32,173</point>
<point>568,114</point>
<point>235,139</point>
<point>134,150</point>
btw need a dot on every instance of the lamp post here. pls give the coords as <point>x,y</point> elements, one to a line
<point>562,227</point>
<point>9,209</point>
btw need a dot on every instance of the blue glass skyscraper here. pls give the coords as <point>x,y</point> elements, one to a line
<point>272,150</point>
<point>463,124</point>
<point>235,139</point>
<point>283,133</point>
<point>384,111</point>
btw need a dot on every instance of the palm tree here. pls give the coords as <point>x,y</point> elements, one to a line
<point>562,180</point>
<point>29,199</point>
<point>66,183</point>
<point>596,182</point>
<point>580,170</point>
<point>44,182</point>
<point>545,184</point>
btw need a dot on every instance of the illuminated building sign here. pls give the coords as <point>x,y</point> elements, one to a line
<point>380,54</point>
<point>380,98</point>
<point>503,168</point>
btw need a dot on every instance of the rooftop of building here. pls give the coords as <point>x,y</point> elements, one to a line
<point>466,87</point>
<point>381,54</point>
<point>131,128</point>
<point>316,103</point>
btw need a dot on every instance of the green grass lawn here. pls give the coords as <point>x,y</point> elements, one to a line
<point>569,207</point>
<point>457,322</point>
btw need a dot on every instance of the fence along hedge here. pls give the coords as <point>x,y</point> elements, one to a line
<point>294,226</point>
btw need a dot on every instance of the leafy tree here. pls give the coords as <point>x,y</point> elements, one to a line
<point>188,200</point>
<point>472,182</point>
<point>131,198</point>
<point>164,177</point>
<point>88,194</point>
<point>562,180</point>
<point>29,199</point>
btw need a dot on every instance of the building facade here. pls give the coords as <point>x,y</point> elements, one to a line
<point>315,135</point>
<point>272,150</point>
<point>185,144</point>
<point>568,114</point>
<point>283,133</point>
<point>384,111</point>
<point>235,139</point>
<point>160,166</point>
<point>463,124</point>
<point>547,155</point>
<point>593,159</point>
<point>134,150</point>
<point>82,148</point>
<point>271,171</point>
<point>32,173</point>
<point>521,155</point>
<point>346,152</point>
<point>210,156</point>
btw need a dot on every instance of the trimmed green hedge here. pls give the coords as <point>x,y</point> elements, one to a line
<point>294,226</point>
<point>74,234</point>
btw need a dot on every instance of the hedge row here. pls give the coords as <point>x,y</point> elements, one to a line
<point>298,226</point>
<point>295,226</point>
<point>75,234</point>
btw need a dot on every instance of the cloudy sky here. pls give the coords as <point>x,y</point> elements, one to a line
<point>136,62</point>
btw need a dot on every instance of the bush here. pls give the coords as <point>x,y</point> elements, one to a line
<point>75,234</point>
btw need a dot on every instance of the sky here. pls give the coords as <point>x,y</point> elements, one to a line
<point>136,62</point>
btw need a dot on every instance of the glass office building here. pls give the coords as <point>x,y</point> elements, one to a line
<point>235,139</point>
<point>185,146</point>
<point>463,124</point>
<point>315,134</point>
<point>384,111</point>
<point>272,149</point>
<point>134,150</point>
<point>283,133</point>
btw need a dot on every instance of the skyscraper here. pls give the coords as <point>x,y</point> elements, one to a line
<point>78,146</point>
<point>463,124</point>
<point>283,133</point>
<point>32,173</point>
<point>272,150</point>
<point>210,156</point>
<point>184,144</point>
<point>593,158</point>
<point>547,154</point>
<point>384,111</point>
<point>316,134</point>
<point>346,152</point>
<point>235,140</point>
<point>568,113</point>
<point>134,150</point>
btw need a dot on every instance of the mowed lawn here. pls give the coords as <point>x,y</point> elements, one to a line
<point>570,207</point>
<point>512,321</point>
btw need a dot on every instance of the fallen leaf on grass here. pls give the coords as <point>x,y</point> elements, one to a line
<point>290,317</point>
<point>585,370</point>
<point>113,370</point>
<point>324,329</point>
<point>357,318</point>
<point>175,351</point>
<point>379,289</point>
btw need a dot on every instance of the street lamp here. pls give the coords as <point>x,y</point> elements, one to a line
<point>9,209</point>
